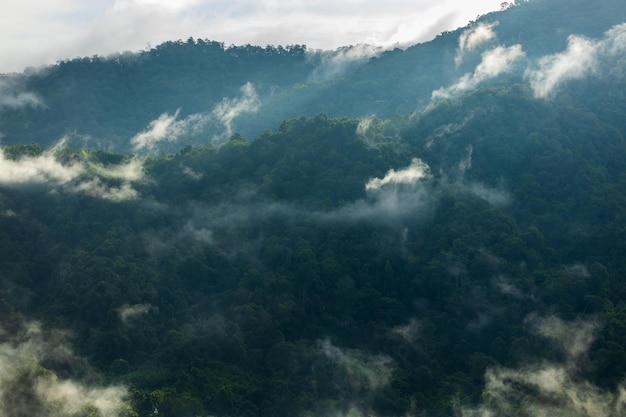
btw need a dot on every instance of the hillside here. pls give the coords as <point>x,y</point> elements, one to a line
<point>460,255</point>
<point>196,90</point>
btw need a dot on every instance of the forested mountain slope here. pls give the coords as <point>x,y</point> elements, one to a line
<point>465,258</point>
<point>333,266</point>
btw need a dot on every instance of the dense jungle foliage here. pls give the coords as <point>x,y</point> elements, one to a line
<point>465,258</point>
<point>256,270</point>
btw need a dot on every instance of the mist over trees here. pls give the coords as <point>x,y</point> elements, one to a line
<point>203,230</point>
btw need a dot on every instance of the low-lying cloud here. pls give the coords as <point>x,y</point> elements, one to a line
<point>474,37</point>
<point>28,389</point>
<point>167,129</point>
<point>330,64</point>
<point>80,177</point>
<point>127,312</point>
<point>231,108</point>
<point>494,63</point>
<point>547,388</point>
<point>577,61</point>
<point>581,59</point>
<point>13,96</point>
<point>416,171</point>
<point>366,371</point>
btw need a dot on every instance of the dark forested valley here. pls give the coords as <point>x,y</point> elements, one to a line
<point>203,230</point>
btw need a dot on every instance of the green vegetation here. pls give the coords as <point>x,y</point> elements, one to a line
<point>456,260</point>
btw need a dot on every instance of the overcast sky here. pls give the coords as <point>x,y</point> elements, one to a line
<point>36,32</point>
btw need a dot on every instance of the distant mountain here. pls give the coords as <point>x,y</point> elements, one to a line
<point>199,90</point>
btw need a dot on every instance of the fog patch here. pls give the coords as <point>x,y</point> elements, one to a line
<point>578,271</point>
<point>97,189</point>
<point>573,338</point>
<point>494,196</point>
<point>575,62</point>
<point>110,182</point>
<point>29,389</point>
<point>127,313</point>
<point>410,332</point>
<point>364,125</point>
<point>494,63</point>
<point>397,195</point>
<point>474,37</point>
<point>365,372</point>
<point>331,64</point>
<point>231,108</point>
<point>546,388</point>
<point>13,95</point>
<point>416,171</point>
<point>191,173</point>
<point>167,129</point>
<point>581,59</point>
<point>42,169</point>
<point>506,287</point>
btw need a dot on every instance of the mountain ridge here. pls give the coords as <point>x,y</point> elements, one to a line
<point>464,256</point>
